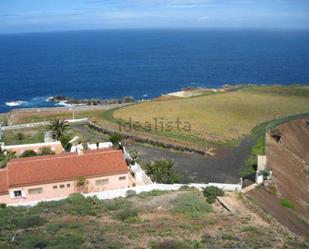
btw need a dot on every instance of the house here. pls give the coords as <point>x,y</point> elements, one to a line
<point>50,177</point>
<point>21,148</point>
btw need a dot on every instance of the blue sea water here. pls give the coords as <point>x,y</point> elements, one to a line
<point>145,63</point>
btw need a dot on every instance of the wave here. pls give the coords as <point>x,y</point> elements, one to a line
<point>15,103</point>
<point>63,103</point>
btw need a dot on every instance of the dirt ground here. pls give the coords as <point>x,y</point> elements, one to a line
<point>245,228</point>
<point>287,159</point>
<point>271,205</point>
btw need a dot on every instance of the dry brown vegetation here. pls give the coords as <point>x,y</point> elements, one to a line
<point>150,220</point>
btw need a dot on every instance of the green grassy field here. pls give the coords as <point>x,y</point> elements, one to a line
<point>32,117</point>
<point>221,117</point>
<point>36,135</point>
<point>24,136</point>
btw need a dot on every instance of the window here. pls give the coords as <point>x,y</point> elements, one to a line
<point>55,187</point>
<point>122,178</point>
<point>101,182</point>
<point>33,191</point>
<point>17,193</point>
<point>62,186</point>
<point>68,185</point>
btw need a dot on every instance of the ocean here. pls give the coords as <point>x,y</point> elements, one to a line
<point>144,63</point>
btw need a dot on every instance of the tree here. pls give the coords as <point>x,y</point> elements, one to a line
<point>58,128</point>
<point>115,138</point>
<point>211,193</point>
<point>161,171</point>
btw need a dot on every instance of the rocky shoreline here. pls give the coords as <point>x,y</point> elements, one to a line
<point>65,100</point>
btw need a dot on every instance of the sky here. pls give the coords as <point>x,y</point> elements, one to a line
<point>52,15</point>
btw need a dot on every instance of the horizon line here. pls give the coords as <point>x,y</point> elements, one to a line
<point>160,28</point>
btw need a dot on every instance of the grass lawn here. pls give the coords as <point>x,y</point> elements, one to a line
<point>36,135</point>
<point>89,135</point>
<point>32,117</point>
<point>24,136</point>
<point>221,117</point>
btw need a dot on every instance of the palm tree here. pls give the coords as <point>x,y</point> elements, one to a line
<point>58,128</point>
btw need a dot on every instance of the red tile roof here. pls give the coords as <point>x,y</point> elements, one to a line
<point>3,181</point>
<point>68,166</point>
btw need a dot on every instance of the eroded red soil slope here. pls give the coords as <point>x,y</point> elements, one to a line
<point>287,159</point>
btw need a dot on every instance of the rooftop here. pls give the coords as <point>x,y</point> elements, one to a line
<point>62,167</point>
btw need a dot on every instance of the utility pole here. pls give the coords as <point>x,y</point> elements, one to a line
<point>73,113</point>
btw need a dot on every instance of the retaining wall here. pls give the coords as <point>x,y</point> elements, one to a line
<point>147,140</point>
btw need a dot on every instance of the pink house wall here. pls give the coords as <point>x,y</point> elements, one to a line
<point>49,192</point>
<point>19,149</point>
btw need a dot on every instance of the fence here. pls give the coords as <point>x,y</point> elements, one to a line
<point>105,195</point>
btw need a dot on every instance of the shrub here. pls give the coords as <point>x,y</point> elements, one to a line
<point>130,193</point>
<point>286,203</point>
<point>253,229</point>
<point>114,245</point>
<point>65,139</point>
<point>251,162</point>
<point>191,205</point>
<point>46,151</point>
<point>70,241</point>
<point>5,157</point>
<point>161,171</point>
<point>27,221</point>
<point>81,181</point>
<point>28,153</point>
<point>20,136</point>
<point>33,240</point>
<point>115,138</point>
<point>135,155</point>
<point>49,206</point>
<point>77,204</point>
<point>127,214</point>
<point>117,204</point>
<point>174,244</point>
<point>211,193</point>
<point>154,192</point>
<point>66,235</point>
<point>306,169</point>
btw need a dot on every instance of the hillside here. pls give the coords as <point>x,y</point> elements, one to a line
<point>180,220</point>
<point>288,158</point>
